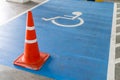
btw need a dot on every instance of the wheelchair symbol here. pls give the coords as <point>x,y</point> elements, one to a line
<point>75,17</point>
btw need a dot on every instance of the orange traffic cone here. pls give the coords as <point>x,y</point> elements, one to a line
<point>31,57</point>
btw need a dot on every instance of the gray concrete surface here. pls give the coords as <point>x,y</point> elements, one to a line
<point>117,71</point>
<point>117,52</point>
<point>118,39</point>
<point>7,73</point>
<point>9,10</point>
<point>118,29</point>
<point>117,56</point>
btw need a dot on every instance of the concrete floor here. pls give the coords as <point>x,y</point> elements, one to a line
<point>10,10</point>
<point>7,73</point>
<point>117,56</point>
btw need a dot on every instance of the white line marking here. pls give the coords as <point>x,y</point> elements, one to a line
<point>24,12</point>
<point>111,63</point>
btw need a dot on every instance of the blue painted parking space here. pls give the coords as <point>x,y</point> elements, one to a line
<point>75,33</point>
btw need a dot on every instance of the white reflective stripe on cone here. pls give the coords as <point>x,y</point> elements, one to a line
<point>30,28</point>
<point>31,41</point>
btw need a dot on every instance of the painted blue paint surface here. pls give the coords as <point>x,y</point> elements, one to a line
<point>77,53</point>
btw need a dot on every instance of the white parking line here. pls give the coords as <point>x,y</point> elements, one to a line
<point>111,63</point>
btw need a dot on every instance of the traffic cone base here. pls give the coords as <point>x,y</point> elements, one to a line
<point>34,66</point>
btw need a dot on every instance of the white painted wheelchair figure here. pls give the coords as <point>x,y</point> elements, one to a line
<point>75,17</point>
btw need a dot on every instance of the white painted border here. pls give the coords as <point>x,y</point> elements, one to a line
<point>24,12</point>
<point>111,63</point>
